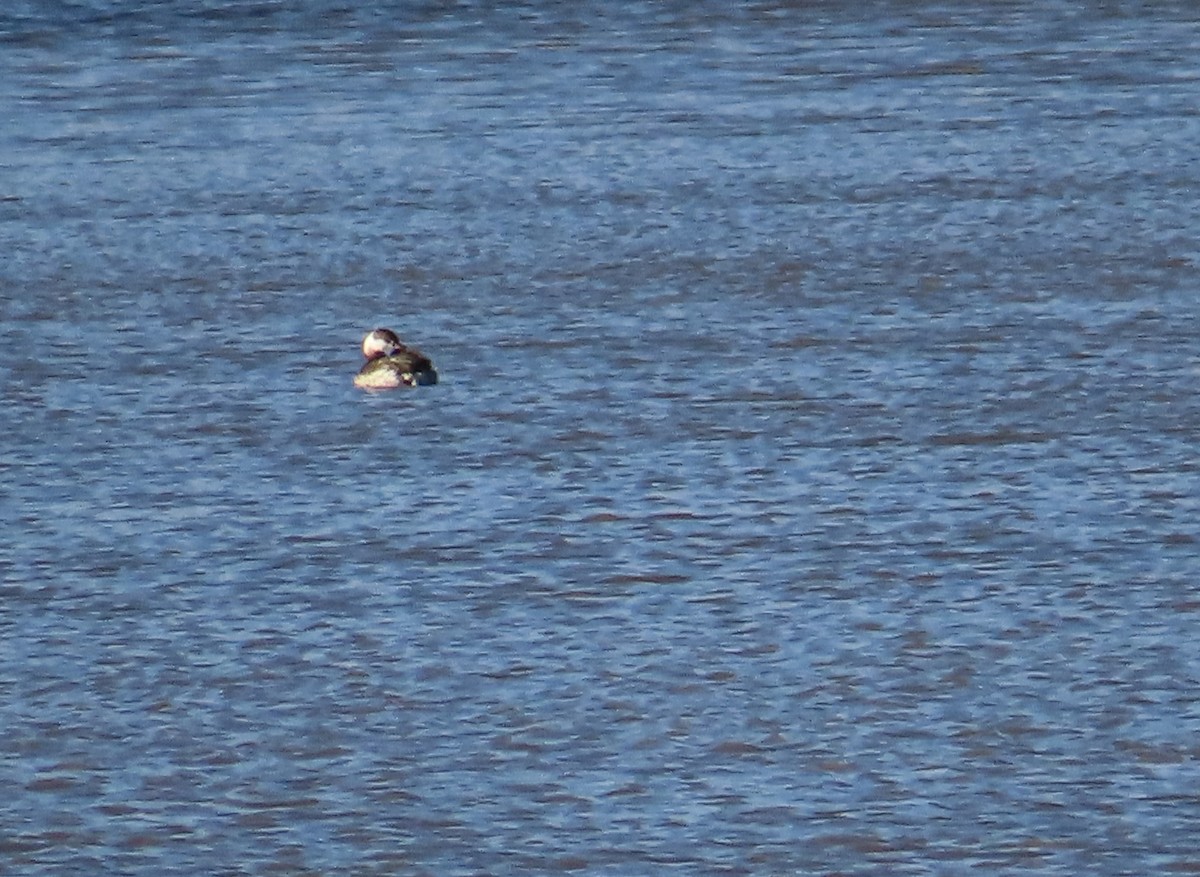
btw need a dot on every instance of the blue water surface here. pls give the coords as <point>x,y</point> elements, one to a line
<point>810,488</point>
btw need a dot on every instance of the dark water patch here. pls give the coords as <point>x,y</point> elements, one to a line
<point>997,438</point>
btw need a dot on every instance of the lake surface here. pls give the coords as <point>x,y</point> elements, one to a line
<point>811,487</point>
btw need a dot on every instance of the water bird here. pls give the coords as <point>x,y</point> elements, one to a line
<point>392,363</point>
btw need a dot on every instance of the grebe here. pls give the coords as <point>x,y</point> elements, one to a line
<point>390,363</point>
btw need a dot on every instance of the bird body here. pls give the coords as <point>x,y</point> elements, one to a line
<point>392,363</point>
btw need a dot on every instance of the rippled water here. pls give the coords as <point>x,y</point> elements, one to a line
<point>811,486</point>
